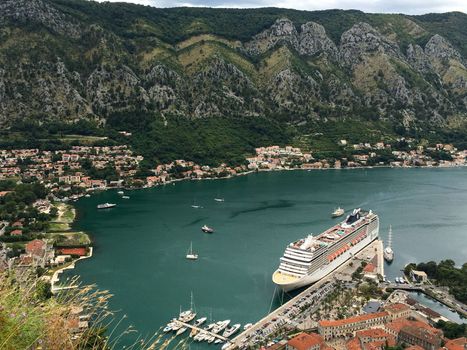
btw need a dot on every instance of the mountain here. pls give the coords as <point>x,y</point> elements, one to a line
<point>73,60</point>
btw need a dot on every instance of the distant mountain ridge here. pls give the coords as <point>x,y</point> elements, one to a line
<point>69,60</point>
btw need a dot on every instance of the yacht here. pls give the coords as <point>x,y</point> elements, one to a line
<point>219,199</point>
<point>207,229</point>
<point>388,252</point>
<point>248,325</point>
<point>200,321</point>
<point>337,212</point>
<point>231,330</point>
<point>126,197</point>
<point>169,327</point>
<point>106,205</point>
<point>190,255</point>
<point>188,315</point>
<point>121,192</point>
<point>220,326</point>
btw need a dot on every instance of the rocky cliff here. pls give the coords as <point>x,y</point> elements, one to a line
<point>67,60</point>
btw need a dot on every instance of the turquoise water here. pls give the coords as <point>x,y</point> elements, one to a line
<point>140,245</point>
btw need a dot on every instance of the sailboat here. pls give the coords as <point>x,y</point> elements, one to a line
<point>190,255</point>
<point>188,315</point>
<point>388,252</point>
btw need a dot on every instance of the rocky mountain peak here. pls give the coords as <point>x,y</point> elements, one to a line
<point>439,47</point>
<point>37,11</point>
<point>313,39</point>
<point>283,30</point>
<point>363,38</point>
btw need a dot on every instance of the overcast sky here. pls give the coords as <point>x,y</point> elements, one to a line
<point>393,6</point>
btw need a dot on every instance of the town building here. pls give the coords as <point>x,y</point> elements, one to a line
<point>346,328</point>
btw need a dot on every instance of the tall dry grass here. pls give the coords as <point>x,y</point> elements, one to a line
<point>30,318</point>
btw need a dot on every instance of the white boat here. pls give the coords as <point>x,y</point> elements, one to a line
<point>219,199</point>
<point>126,197</point>
<point>200,321</point>
<point>196,206</point>
<point>309,259</point>
<point>220,326</point>
<point>388,253</point>
<point>106,205</point>
<point>211,339</point>
<point>338,212</point>
<point>169,327</point>
<point>121,192</point>
<point>176,325</point>
<point>201,336</point>
<point>188,315</point>
<point>190,255</point>
<point>231,330</point>
<point>207,229</point>
<point>87,195</point>
<point>218,341</point>
<point>181,330</point>
<point>248,325</point>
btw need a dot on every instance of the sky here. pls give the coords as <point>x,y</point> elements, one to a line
<point>387,6</point>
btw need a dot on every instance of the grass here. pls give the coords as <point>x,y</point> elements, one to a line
<point>70,238</point>
<point>58,226</point>
<point>31,318</point>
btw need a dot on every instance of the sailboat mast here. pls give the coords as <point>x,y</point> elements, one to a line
<point>390,237</point>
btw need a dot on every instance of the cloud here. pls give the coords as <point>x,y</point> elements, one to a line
<point>387,6</point>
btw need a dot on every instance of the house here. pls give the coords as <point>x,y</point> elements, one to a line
<point>347,327</point>
<point>371,339</point>
<point>36,248</point>
<point>305,341</point>
<point>398,310</point>
<point>456,344</point>
<point>418,276</point>
<point>16,233</point>
<point>415,333</point>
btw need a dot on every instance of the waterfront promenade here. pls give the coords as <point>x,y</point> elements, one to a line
<point>280,315</point>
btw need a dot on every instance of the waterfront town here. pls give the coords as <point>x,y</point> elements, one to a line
<point>351,310</point>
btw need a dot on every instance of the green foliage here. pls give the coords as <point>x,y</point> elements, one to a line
<point>447,274</point>
<point>452,330</point>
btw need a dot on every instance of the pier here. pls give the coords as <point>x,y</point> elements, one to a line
<point>373,249</point>
<point>218,336</point>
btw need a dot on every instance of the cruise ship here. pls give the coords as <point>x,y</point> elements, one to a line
<point>309,259</point>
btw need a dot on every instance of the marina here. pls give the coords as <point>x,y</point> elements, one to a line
<point>143,236</point>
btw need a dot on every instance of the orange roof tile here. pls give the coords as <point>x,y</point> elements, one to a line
<point>456,344</point>
<point>353,344</point>
<point>305,341</point>
<point>396,307</point>
<point>331,323</point>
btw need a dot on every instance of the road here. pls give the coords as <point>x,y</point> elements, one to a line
<point>285,314</point>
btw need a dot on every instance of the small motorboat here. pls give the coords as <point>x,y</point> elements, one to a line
<point>219,199</point>
<point>126,197</point>
<point>106,205</point>
<point>121,192</point>
<point>200,321</point>
<point>248,325</point>
<point>207,229</point>
<point>181,330</point>
<point>338,212</point>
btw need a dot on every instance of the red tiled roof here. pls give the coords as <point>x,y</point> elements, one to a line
<point>305,341</point>
<point>16,232</point>
<point>398,324</point>
<point>369,268</point>
<point>397,307</point>
<point>353,344</point>
<point>35,247</point>
<point>73,251</point>
<point>329,323</point>
<point>414,347</point>
<point>456,344</point>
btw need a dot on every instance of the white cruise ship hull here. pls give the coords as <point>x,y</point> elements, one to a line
<point>328,268</point>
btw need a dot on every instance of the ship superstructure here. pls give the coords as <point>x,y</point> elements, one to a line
<point>309,259</point>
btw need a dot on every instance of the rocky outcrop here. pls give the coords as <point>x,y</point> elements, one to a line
<point>311,40</point>
<point>37,11</point>
<point>418,59</point>
<point>438,47</point>
<point>363,39</point>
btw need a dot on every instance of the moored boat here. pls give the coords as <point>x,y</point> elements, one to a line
<point>231,330</point>
<point>309,259</point>
<point>388,253</point>
<point>190,255</point>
